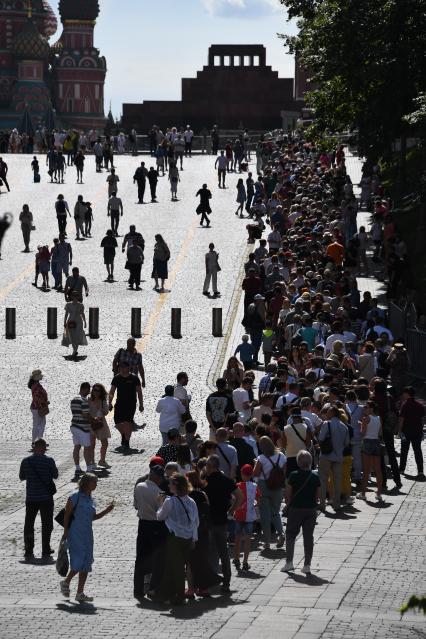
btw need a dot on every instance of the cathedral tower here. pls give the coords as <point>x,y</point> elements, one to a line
<point>78,68</point>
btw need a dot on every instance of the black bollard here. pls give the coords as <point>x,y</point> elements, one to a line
<point>52,323</point>
<point>94,323</point>
<point>176,323</point>
<point>136,323</point>
<point>217,322</point>
<point>11,323</point>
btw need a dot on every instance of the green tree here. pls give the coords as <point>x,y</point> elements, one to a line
<point>367,60</point>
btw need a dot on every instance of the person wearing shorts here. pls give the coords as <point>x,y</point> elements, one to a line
<point>245,516</point>
<point>80,429</point>
<point>128,388</point>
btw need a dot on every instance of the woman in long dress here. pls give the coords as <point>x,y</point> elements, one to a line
<point>161,257</point>
<point>74,324</point>
<point>80,513</point>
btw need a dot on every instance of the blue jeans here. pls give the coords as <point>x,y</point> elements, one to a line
<point>269,509</point>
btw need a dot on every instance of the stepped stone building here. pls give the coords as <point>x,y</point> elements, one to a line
<point>236,88</point>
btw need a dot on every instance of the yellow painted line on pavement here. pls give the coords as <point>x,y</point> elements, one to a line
<point>155,314</point>
<point>4,292</point>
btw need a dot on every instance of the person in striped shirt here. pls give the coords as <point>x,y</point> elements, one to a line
<point>81,430</point>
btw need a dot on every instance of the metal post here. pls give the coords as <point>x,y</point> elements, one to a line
<point>11,323</point>
<point>52,323</point>
<point>135,329</point>
<point>176,323</point>
<point>217,322</point>
<point>94,323</point>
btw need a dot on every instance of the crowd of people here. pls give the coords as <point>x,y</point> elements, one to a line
<point>303,418</point>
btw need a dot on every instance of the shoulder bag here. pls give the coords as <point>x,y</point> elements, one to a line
<point>60,517</point>
<point>326,445</point>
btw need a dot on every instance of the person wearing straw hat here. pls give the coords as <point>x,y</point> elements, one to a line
<point>39,404</point>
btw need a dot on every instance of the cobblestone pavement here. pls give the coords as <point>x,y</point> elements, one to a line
<point>365,562</point>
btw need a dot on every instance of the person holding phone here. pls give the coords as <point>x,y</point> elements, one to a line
<point>80,513</point>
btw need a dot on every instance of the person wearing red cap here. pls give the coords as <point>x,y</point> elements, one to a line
<point>245,516</point>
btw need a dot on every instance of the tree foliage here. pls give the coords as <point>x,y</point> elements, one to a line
<point>367,61</point>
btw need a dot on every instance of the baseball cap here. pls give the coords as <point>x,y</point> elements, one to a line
<point>156,461</point>
<point>247,469</point>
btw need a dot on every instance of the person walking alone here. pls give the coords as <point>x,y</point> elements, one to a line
<point>153,181</point>
<point>301,496</point>
<point>39,404</point>
<point>212,269</point>
<point>81,512</point>
<point>61,208</point>
<point>115,209</point>
<point>160,259</point>
<point>204,208</point>
<point>139,178</point>
<point>26,219</point>
<point>241,197</point>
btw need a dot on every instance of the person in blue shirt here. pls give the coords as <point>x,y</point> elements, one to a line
<point>245,352</point>
<point>38,471</point>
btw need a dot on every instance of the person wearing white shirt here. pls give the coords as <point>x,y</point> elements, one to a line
<point>241,399</point>
<point>188,135</point>
<point>171,410</point>
<point>151,533</point>
<point>181,393</point>
<point>180,514</point>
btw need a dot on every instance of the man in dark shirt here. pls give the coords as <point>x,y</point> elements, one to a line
<point>39,472</point>
<point>218,406</point>
<point>245,452</point>
<point>411,427</point>
<point>224,497</point>
<point>128,388</point>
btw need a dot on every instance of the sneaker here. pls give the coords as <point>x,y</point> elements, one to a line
<point>350,500</point>
<point>280,541</point>
<point>237,563</point>
<point>225,589</point>
<point>104,464</point>
<point>288,567</point>
<point>361,496</point>
<point>65,588</point>
<point>246,566</point>
<point>378,498</point>
<point>420,477</point>
<point>266,546</point>
<point>306,569</point>
<point>82,597</point>
<point>47,553</point>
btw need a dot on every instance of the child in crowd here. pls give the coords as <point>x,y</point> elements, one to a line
<point>245,516</point>
<point>245,353</point>
<point>269,339</point>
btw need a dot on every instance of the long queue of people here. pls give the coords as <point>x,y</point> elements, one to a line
<point>333,397</point>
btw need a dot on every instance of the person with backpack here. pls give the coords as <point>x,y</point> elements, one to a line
<point>61,208</point>
<point>333,439</point>
<point>270,471</point>
<point>301,497</point>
